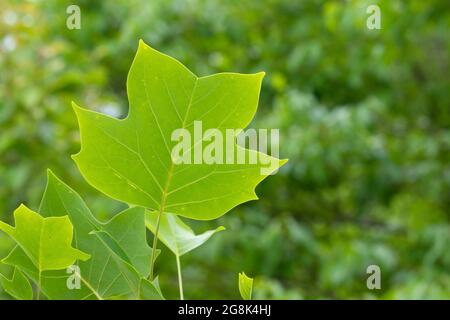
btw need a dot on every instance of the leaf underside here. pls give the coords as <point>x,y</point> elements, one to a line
<point>46,241</point>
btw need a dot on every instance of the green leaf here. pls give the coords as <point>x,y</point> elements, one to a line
<point>120,254</point>
<point>175,234</point>
<point>46,241</point>
<point>150,290</point>
<point>18,287</point>
<point>245,286</point>
<point>130,159</point>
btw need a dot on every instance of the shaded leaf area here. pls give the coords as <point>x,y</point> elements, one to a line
<point>120,256</point>
<point>150,290</point>
<point>131,159</point>
<point>45,241</point>
<point>363,118</point>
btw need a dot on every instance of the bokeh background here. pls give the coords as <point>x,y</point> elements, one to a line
<point>363,115</point>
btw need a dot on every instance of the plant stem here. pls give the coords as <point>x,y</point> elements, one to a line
<point>180,279</point>
<point>155,243</point>
<point>39,286</point>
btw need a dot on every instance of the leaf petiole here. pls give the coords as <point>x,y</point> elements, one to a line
<point>38,287</point>
<point>155,243</point>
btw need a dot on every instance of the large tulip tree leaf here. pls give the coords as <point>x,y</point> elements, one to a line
<point>18,287</point>
<point>175,234</point>
<point>120,254</point>
<point>131,159</point>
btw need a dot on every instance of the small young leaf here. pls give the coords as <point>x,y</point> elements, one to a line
<point>46,241</point>
<point>130,159</point>
<point>245,286</point>
<point>175,234</point>
<point>18,287</point>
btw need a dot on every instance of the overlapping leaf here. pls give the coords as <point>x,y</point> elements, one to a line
<point>120,254</point>
<point>18,287</point>
<point>245,286</point>
<point>130,159</point>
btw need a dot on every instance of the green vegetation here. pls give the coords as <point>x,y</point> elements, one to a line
<point>133,160</point>
<point>363,115</point>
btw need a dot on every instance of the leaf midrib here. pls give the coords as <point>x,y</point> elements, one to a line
<point>165,192</point>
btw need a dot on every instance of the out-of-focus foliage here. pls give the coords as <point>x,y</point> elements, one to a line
<point>363,115</point>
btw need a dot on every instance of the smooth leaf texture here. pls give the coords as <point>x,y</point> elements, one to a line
<point>175,234</point>
<point>130,159</point>
<point>120,254</point>
<point>150,290</point>
<point>46,241</point>
<point>245,286</point>
<point>18,287</point>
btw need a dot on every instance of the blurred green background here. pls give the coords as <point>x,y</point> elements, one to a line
<point>363,115</point>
